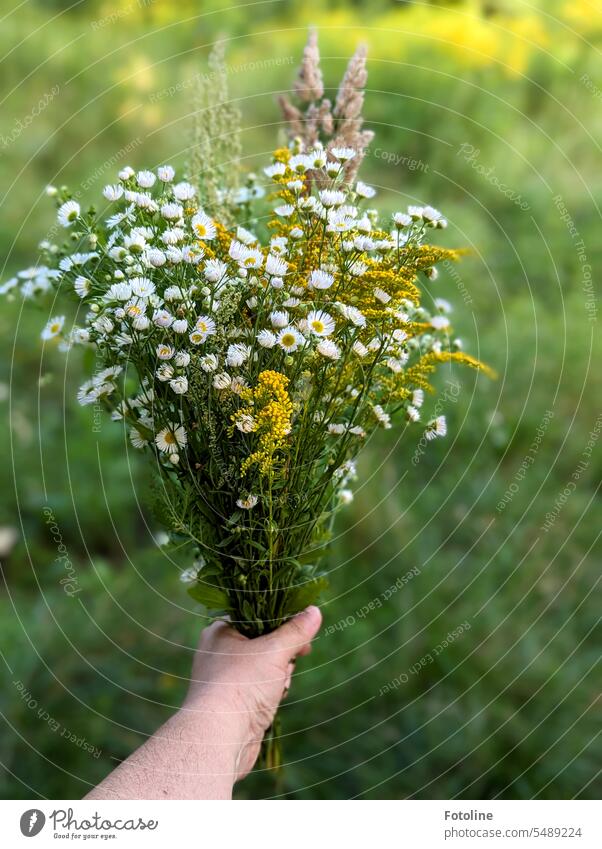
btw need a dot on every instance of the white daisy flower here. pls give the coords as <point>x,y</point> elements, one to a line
<point>205,325</point>
<point>289,339</point>
<point>165,352</point>
<point>433,217</point>
<point>135,307</point>
<point>247,503</point>
<point>237,251</point>
<point>238,384</point>
<point>182,359</point>
<point>184,191</point>
<point>53,327</point>
<point>203,227</point>
<point>237,354</point>
<point>363,190</point>
<point>144,201</point>
<point>88,393</point>
<point>214,270</point>
<point>80,335</point>
<point>245,423</point>
<point>162,318</point>
<point>118,292</point>
<point>413,413</point>
<point>345,496</point>
<point>253,258</point>
<point>439,322</point>
<point>101,378</point>
<point>170,438</point>
<point>9,285</point>
<point>285,210</point>
<point>208,363</point>
<point>436,428</point>
<point>68,213</point>
<point>145,179</point>
<point>137,439</point>
<point>172,236</point>
<point>331,197</point>
<point>275,266</point>
<point>320,279</point>
<point>299,163</point>
<point>245,236</point>
<point>418,397</point>
<point>81,286</point>
<point>279,318</point>
<point>222,380</point>
<point>343,154</point>
<point>180,325</point>
<point>401,219</point>
<point>266,339</point>
<point>174,255</point>
<point>317,158</point>
<point>354,315</point>
<point>165,372</point>
<point>126,173</point>
<point>320,323</point>
<point>336,429</point>
<point>278,244</point>
<point>113,193</point>
<point>190,575</point>
<point>135,243</point>
<point>179,384</point>
<point>142,287</point>
<point>357,431</point>
<point>381,295</point>
<point>275,170</point>
<point>328,349</point>
<point>166,173</point>
<point>156,257</point>
<point>173,293</point>
<point>172,211</point>
<point>443,305</point>
<point>383,417</point>
<point>339,222</point>
<point>141,322</point>
<point>359,348</point>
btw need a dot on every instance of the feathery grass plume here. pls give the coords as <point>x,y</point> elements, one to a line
<point>309,85</point>
<point>215,157</point>
<point>319,123</point>
<point>348,108</point>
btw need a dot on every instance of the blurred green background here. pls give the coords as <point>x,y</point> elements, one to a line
<point>491,111</point>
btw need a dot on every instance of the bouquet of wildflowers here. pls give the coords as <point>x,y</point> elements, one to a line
<point>252,366</point>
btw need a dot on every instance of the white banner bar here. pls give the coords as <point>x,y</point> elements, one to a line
<point>304,825</point>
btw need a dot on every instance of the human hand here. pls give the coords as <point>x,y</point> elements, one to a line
<point>214,738</point>
<point>243,681</point>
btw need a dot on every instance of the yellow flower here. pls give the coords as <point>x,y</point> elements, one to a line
<point>271,409</point>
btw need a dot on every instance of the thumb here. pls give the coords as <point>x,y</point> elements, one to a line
<point>298,632</point>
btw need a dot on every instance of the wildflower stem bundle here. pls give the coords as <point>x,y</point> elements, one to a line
<point>253,366</point>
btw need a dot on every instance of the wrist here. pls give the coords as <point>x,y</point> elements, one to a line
<point>226,726</point>
<point>215,715</point>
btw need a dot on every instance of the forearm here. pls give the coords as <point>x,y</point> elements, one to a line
<point>186,758</point>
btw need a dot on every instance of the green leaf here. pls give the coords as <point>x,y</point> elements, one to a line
<point>305,594</point>
<point>210,595</point>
